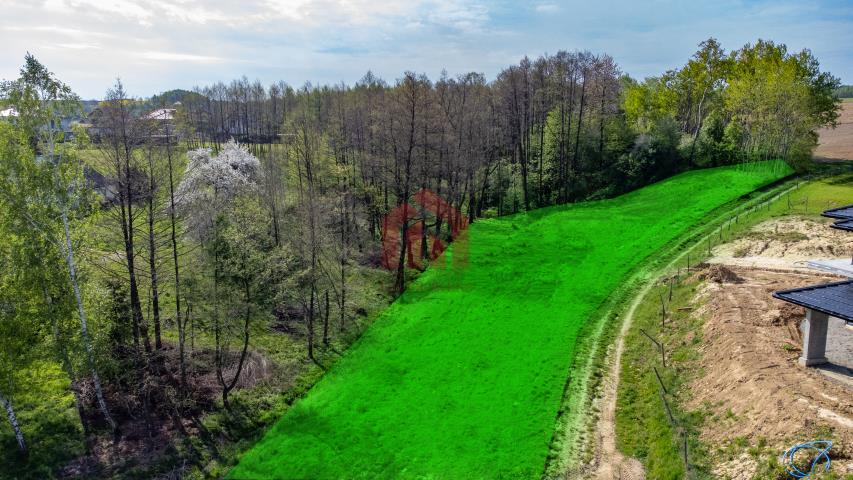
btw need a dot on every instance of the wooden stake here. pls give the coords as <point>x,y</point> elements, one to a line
<point>671,280</point>
<point>663,397</point>
<point>662,386</point>
<point>659,345</point>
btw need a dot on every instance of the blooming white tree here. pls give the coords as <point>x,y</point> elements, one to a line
<point>211,187</point>
<point>211,182</point>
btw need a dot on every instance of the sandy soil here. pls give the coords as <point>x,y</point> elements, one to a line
<point>751,383</point>
<point>785,243</point>
<point>837,143</point>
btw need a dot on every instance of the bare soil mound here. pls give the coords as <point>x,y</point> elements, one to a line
<point>720,274</point>
<point>751,386</point>
<point>785,243</point>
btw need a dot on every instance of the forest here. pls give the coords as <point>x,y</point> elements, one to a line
<point>175,271</point>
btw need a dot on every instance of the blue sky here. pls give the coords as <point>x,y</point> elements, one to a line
<point>155,45</point>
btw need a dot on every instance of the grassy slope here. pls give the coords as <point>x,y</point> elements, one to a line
<point>642,427</point>
<point>462,377</point>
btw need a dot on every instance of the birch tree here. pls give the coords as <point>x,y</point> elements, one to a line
<point>46,193</point>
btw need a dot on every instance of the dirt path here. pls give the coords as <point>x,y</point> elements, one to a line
<point>611,463</point>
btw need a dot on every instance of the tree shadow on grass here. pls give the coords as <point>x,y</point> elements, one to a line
<point>52,442</point>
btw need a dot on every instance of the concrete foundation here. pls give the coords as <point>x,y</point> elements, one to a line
<point>814,329</point>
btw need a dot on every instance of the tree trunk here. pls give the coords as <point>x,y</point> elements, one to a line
<point>400,282</point>
<point>522,157</point>
<point>698,127</point>
<point>68,368</point>
<point>84,328</point>
<point>13,421</point>
<point>130,255</point>
<point>152,257</point>
<point>541,154</point>
<point>217,330</point>
<point>400,279</point>
<point>601,129</point>
<point>227,387</point>
<point>182,333</point>
<point>567,139</point>
<point>326,321</point>
<point>344,253</point>
<point>311,324</point>
<point>580,123</point>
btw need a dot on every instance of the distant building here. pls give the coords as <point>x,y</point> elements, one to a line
<point>162,114</point>
<point>164,123</point>
<point>65,124</point>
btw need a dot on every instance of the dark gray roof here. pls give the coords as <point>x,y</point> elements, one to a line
<point>840,212</point>
<point>844,225</point>
<point>834,299</point>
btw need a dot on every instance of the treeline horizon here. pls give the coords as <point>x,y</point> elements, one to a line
<point>166,97</point>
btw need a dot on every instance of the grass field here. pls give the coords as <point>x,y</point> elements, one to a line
<point>463,376</point>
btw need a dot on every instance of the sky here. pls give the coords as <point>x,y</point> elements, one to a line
<point>157,45</point>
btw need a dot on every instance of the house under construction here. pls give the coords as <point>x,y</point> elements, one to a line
<point>829,307</point>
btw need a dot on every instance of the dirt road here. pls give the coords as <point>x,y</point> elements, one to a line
<point>611,463</point>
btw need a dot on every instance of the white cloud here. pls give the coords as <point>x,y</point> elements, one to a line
<point>54,29</point>
<point>130,9</point>
<point>76,46</point>
<point>547,8</point>
<point>460,15</point>
<point>179,57</point>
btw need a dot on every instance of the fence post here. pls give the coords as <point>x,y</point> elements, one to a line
<point>671,281</point>
<point>663,397</point>
<point>659,345</point>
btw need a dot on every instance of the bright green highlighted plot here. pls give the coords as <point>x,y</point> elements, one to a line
<point>462,377</point>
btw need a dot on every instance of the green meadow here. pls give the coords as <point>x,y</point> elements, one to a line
<point>463,376</point>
